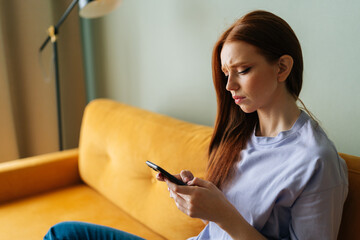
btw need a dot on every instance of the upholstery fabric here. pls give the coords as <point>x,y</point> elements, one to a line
<point>115,142</point>
<point>351,213</point>
<point>31,218</point>
<point>106,180</point>
<point>33,175</point>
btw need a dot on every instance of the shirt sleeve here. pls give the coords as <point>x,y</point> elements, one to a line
<point>318,215</point>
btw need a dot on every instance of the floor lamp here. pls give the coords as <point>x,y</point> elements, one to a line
<point>87,9</point>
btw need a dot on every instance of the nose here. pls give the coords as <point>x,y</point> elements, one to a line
<point>232,84</point>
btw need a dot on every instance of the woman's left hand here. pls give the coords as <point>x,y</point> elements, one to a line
<point>201,199</point>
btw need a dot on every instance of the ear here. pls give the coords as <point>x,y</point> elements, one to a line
<point>285,65</point>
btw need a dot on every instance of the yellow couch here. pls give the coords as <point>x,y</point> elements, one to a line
<point>106,180</point>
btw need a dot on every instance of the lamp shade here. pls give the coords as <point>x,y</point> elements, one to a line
<point>96,8</point>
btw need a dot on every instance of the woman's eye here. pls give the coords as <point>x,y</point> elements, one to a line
<point>245,71</point>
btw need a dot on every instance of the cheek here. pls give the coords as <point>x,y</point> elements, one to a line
<point>256,83</point>
<point>261,85</point>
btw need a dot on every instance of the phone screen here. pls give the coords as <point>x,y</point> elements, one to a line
<point>170,177</point>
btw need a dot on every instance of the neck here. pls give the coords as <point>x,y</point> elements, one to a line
<point>281,116</point>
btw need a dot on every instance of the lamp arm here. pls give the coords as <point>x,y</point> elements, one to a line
<point>52,32</point>
<point>57,26</point>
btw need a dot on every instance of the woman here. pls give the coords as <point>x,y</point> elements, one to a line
<point>272,172</point>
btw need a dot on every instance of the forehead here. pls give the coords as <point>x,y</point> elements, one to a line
<point>238,53</point>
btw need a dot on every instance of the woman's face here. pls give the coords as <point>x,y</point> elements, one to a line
<point>251,79</point>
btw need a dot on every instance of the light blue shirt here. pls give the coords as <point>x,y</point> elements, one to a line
<point>292,186</point>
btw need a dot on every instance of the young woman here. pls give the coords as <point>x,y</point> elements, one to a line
<point>272,172</point>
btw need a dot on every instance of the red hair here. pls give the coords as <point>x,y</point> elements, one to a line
<point>273,37</point>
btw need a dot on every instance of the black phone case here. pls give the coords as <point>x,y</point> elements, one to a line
<point>169,176</point>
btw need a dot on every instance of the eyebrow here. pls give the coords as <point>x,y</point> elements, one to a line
<point>236,64</point>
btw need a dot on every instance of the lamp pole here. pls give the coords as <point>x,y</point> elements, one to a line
<point>88,9</point>
<point>53,31</point>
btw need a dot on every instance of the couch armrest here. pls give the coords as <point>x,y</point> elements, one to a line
<point>38,174</point>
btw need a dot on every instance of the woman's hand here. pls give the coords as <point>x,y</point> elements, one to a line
<point>184,175</point>
<point>202,199</point>
<point>199,199</point>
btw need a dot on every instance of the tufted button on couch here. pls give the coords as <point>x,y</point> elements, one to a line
<point>106,181</point>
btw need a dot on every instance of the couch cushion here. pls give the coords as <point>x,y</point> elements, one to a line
<point>351,214</point>
<point>115,142</point>
<point>79,203</point>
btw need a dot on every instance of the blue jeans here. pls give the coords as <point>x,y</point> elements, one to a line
<point>86,231</point>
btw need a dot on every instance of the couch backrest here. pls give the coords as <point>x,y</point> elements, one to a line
<point>117,139</point>
<point>115,142</point>
<point>351,214</point>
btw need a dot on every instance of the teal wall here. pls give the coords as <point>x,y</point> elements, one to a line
<point>156,54</point>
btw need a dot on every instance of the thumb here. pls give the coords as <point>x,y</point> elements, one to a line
<point>186,176</point>
<point>200,183</point>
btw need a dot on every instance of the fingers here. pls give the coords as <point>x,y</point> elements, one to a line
<point>200,183</point>
<point>186,176</point>
<point>172,194</point>
<point>199,199</point>
<point>180,202</point>
<point>177,188</point>
<point>160,177</point>
<point>191,186</point>
<point>185,204</point>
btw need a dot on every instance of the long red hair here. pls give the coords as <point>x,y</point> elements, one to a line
<point>273,37</point>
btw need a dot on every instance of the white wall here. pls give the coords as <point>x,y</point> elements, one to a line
<point>156,54</point>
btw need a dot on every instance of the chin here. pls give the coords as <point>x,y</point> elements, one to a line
<point>246,109</point>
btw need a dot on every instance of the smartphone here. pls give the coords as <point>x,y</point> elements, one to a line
<point>167,175</point>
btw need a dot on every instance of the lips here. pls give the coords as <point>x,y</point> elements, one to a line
<point>238,99</point>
